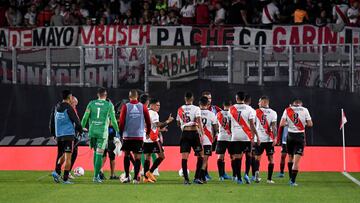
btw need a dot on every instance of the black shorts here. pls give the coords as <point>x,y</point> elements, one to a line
<point>65,146</point>
<point>110,150</point>
<point>222,146</point>
<point>267,146</point>
<point>238,147</point>
<point>295,143</point>
<point>135,146</point>
<point>190,139</point>
<point>283,149</point>
<point>153,147</point>
<point>207,150</point>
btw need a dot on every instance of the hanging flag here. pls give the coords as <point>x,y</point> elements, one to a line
<point>343,119</point>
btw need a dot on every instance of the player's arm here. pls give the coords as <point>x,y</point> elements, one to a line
<point>75,119</point>
<point>199,125</point>
<point>309,122</point>
<point>85,118</point>
<point>122,119</point>
<point>215,129</point>
<point>253,131</point>
<point>165,123</point>
<point>113,119</point>
<point>283,119</point>
<point>274,130</point>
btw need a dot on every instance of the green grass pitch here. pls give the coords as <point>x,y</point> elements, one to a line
<point>29,186</point>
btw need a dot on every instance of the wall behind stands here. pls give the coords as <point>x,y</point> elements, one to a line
<point>25,110</point>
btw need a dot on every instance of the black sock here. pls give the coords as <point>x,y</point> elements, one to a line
<point>202,174</point>
<point>184,168</point>
<point>293,176</point>
<point>131,158</point>
<point>58,169</point>
<point>206,171</point>
<point>247,163</point>
<point>137,168</point>
<point>156,164</point>
<point>253,165</point>
<point>282,167</point>
<point>221,167</point>
<point>127,165</point>
<point>66,175</point>
<point>270,171</point>
<point>290,165</point>
<point>233,166</point>
<point>57,165</point>
<point>238,168</point>
<point>256,165</point>
<point>73,157</point>
<point>198,167</point>
<point>146,166</point>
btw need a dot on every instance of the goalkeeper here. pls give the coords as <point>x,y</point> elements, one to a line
<point>99,113</point>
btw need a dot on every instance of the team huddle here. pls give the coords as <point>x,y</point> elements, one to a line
<point>236,128</point>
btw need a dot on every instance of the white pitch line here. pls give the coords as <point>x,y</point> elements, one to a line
<point>346,174</point>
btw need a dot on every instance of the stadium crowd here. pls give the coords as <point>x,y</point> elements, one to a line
<point>33,13</point>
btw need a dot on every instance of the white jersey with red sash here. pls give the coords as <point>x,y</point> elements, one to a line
<point>208,119</point>
<point>241,114</point>
<point>187,114</point>
<point>296,117</point>
<point>224,120</point>
<point>264,118</point>
<point>154,133</point>
<point>340,12</point>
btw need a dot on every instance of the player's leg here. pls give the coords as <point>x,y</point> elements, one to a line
<point>245,148</point>
<point>73,159</point>
<point>111,154</point>
<point>101,173</point>
<point>290,144</point>
<point>157,149</point>
<point>295,168</point>
<point>253,164</point>
<point>68,151</point>
<point>221,166</point>
<point>185,148</point>
<point>146,165</point>
<point>127,165</point>
<point>299,150</point>
<point>199,152</point>
<point>207,154</point>
<point>101,144</point>
<point>248,159</point>
<point>269,154</point>
<point>282,160</point>
<point>137,148</point>
<point>259,150</point>
<point>60,152</point>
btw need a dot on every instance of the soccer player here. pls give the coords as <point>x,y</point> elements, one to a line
<point>189,120</point>
<point>133,116</point>
<point>296,117</point>
<point>224,137</point>
<point>153,144</point>
<point>63,125</point>
<point>210,127</point>
<point>250,154</point>
<point>281,139</point>
<point>99,113</point>
<point>242,132</point>
<point>215,109</point>
<point>266,119</point>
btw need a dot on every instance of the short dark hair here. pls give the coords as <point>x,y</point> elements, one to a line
<point>154,101</point>
<point>264,97</point>
<point>206,93</point>
<point>66,94</point>
<point>101,91</point>
<point>297,100</point>
<point>144,98</point>
<point>227,103</point>
<point>188,95</point>
<point>203,101</point>
<point>133,93</point>
<point>247,97</point>
<point>240,95</point>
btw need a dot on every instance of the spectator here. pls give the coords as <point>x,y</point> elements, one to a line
<point>353,13</point>
<point>57,19</point>
<point>322,20</point>
<point>3,9</point>
<point>187,13</point>
<point>300,14</point>
<point>30,16</point>
<point>146,17</point>
<point>237,13</point>
<point>312,10</point>
<point>174,5</point>
<point>173,19</point>
<point>125,5</point>
<point>202,13</point>
<point>220,14</point>
<point>339,12</point>
<point>154,20</point>
<point>44,17</point>
<point>163,18</point>
<point>84,13</point>
<point>161,4</point>
<point>13,17</point>
<point>270,14</point>
<point>129,18</point>
<point>88,21</point>
<point>102,21</point>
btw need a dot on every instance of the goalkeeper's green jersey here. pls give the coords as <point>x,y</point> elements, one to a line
<point>99,113</point>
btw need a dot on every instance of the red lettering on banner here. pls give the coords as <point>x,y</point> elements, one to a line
<point>86,35</point>
<point>131,28</point>
<point>320,35</point>
<point>144,34</point>
<point>309,35</point>
<point>279,31</point>
<point>14,38</point>
<point>228,35</point>
<point>123,37</point>
<point>99,35</point>
<point>26,38</point>
<point>204,35</point>
<point>198,37</point>
<point>294,38</point>
<point>330,37</point>
<point>110,35</point>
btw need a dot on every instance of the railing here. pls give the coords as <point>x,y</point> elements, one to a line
<point>325,66</point>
